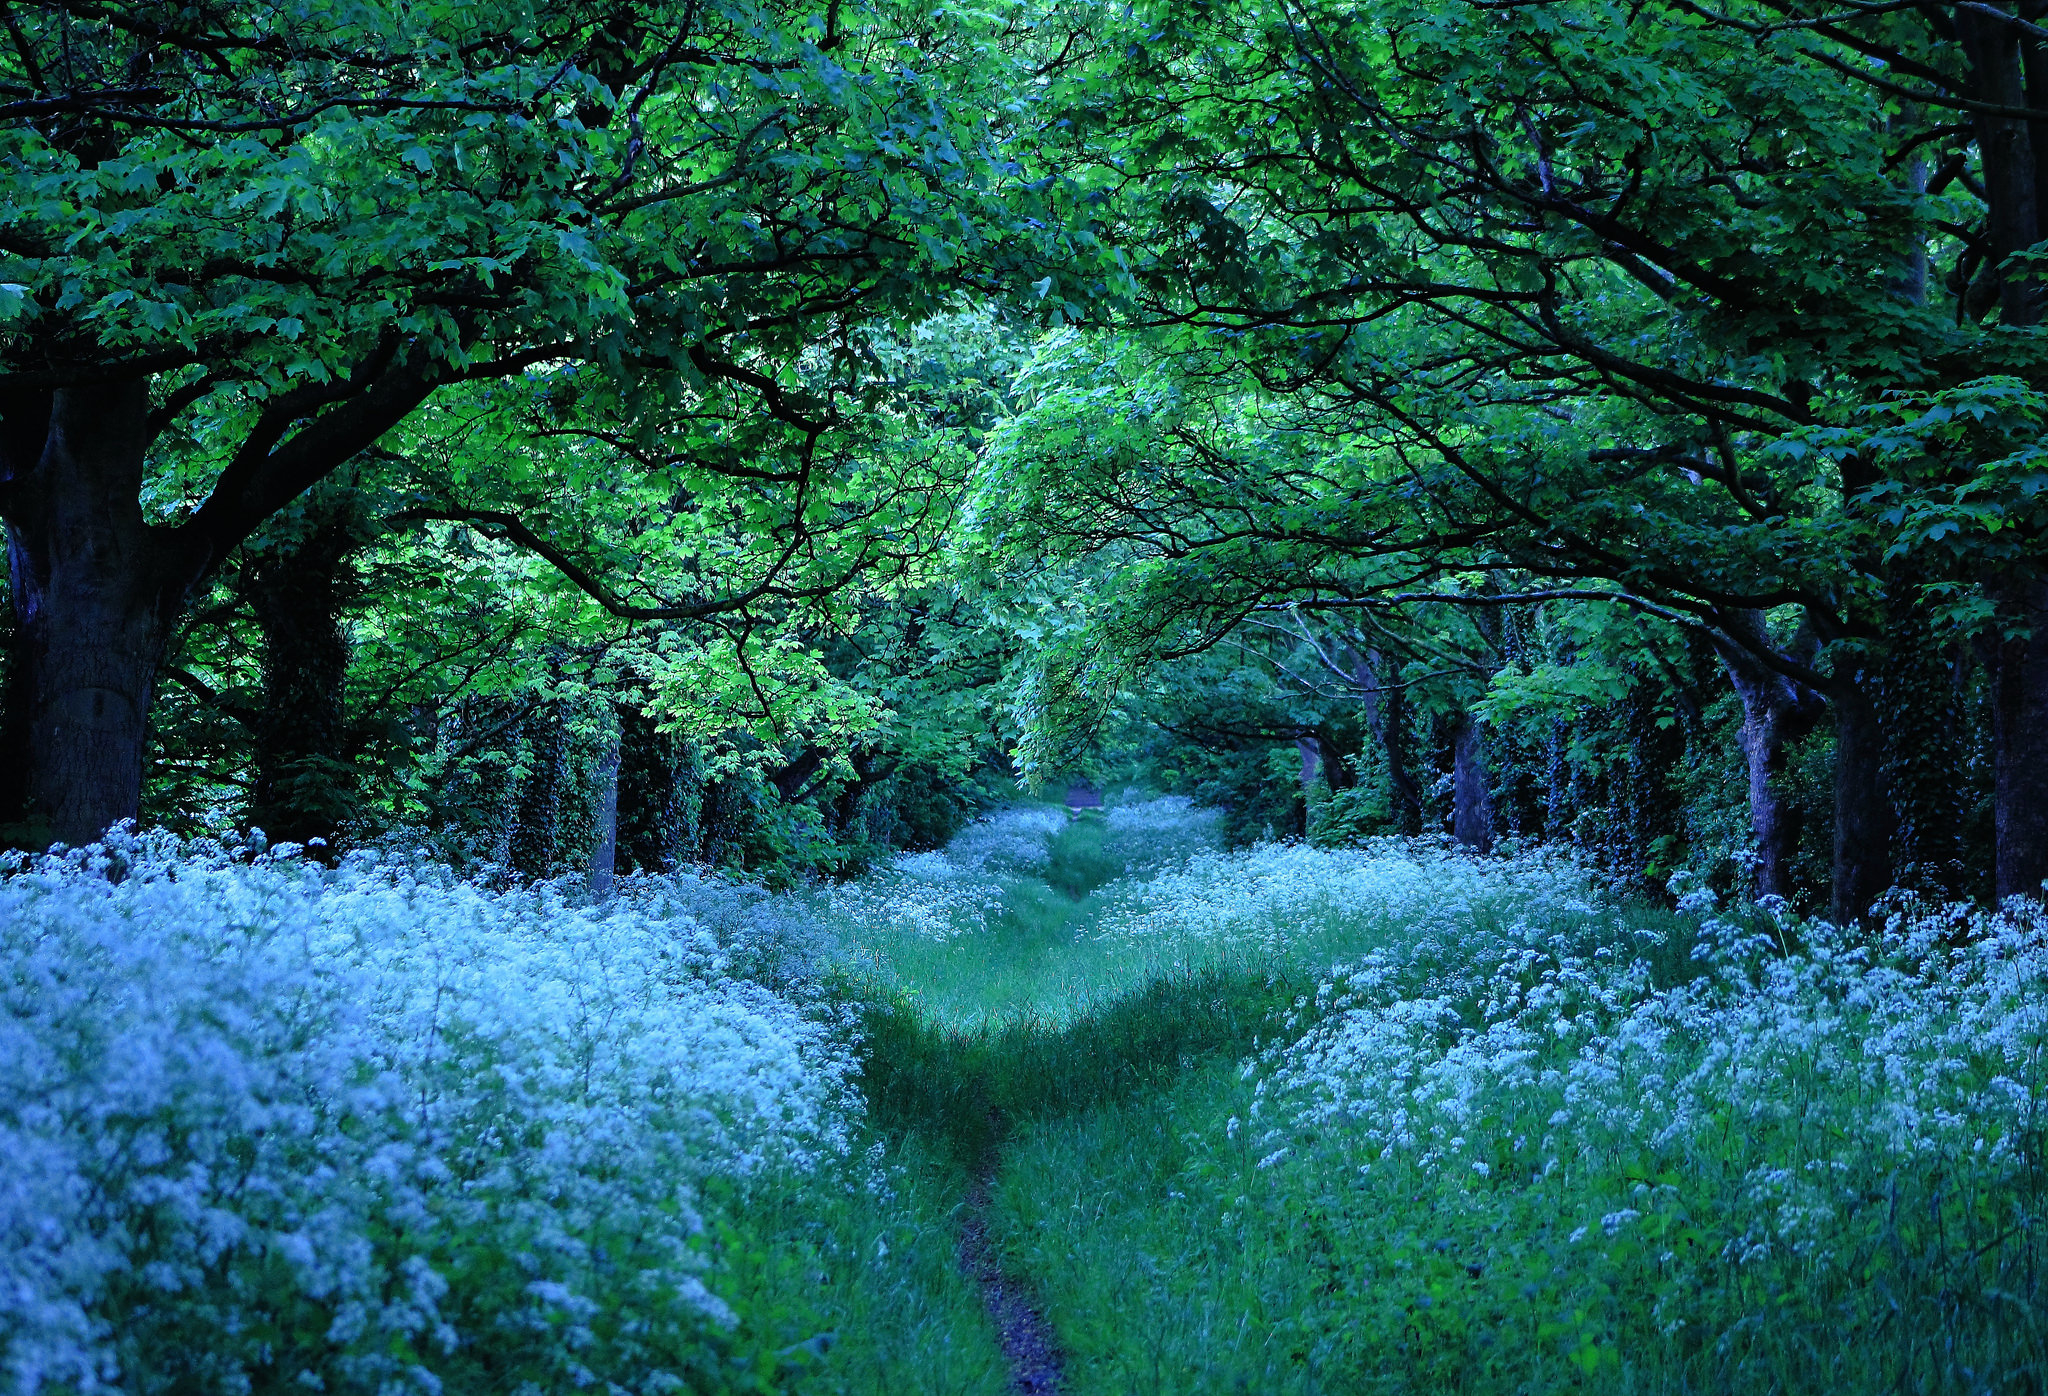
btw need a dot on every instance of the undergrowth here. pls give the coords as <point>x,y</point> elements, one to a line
<point>1390,1120</point>
<point>1385,1119</point>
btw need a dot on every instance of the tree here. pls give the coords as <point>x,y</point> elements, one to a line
<point>239,246</point>
<point>1641,295</point>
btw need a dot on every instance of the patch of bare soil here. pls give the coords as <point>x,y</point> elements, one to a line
<point>1028,1341</point>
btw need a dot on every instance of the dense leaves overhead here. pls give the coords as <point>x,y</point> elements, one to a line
<point>333,210</point>
<point>792,365</point>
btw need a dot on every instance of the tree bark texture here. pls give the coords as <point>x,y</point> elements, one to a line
<point>304,786</point>
<point>1865,822</point>
<point>2009,69</point>
<point>1311,764</point>
<point>2012,173</point>
<point>1776,712</point>
<point>1471,800</point>
<point>94,596</point>
<point>2019,707</point>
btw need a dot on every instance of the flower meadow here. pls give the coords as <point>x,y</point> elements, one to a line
<point>1508,1136</point>
<point>375,1129</point>
<point>1291,900</point>
<point>1279,1119</point>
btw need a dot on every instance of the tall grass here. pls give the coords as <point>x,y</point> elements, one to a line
<point>1514,1140</point>
<point>1393,1120</point>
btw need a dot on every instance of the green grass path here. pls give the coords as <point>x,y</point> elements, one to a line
<point>1177,1244</point>
<point>1017,1053</point>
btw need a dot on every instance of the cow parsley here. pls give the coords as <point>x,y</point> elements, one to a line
<point>263,1121</point>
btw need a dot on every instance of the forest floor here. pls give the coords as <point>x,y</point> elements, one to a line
<point>1291,1122</point>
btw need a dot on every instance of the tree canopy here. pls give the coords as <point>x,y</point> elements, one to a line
<point>1609,423</point>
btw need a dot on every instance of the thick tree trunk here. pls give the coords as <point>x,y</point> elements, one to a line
<point>2019,708</point>
<point>305,787</point>
<point>92,601</point>
<point>2005,142</point>
<point>1864,819</point>
<point>1471,799</point>
<point>1386,716</point>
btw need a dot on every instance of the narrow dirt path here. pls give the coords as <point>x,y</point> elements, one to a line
<point>1028,1340</point>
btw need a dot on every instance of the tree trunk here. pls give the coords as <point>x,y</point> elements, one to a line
<point>2005,143</point>
<point>1311,764</point>
<point>1776,712</point>
<point>1864,820</point>
<point>1386,716</point>
<point>1471,800</point>
<point>2019,721</point>
<point>305,787</point>
<point>92,602</point>
<point>604,852</point>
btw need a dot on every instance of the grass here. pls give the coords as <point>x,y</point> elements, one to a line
<point>1080,858</point>
<point>1190,1231</point>
<point>849,1288</point>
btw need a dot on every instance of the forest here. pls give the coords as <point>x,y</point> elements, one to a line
<point>1284,696</point>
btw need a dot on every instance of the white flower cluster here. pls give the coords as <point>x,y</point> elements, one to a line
<point>1810,1065</point>
<point>921,895</point>
<point>1010,840</point>
<point>952,891</point>
<point>262,1121</point>
<point>1264,898</point>
<point>1144,834</point>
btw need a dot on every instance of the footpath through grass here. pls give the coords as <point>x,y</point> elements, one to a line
<point>1397,1121</point>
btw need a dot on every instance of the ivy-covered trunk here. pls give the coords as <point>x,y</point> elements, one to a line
<point>305,785</point>
<point>536,831</point>
<point>1471,798</point>
<point>1386,716</point>
<point>1922,722</point>
<point>94,595</point>
<point>1865,821</point>
<point>2019,707</point>
<point>654,821</point>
